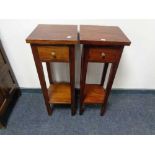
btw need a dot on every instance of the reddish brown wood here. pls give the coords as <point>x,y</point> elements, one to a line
<point>112,74</point>
<point>59,93</point>
<point>104,54</point>
<point>94,94</point>
<point>40,71</point>
<point>102,35</point>
<point>55,43</point>
<point>102,45</point>
<point>72,78</point>
<point>53,34</point>
<point>53,53</point>
<point>109,86</point>
<point>49,68</point>
<point>104,73</point>
<point>84,64</point>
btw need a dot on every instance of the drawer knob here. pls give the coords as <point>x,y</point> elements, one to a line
<point>53,54</point>
<point>103,55</point>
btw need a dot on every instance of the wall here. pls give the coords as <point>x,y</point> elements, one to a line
<point>136,69</point>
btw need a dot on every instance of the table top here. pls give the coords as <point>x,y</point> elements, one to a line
<point>54,34</point>
<point>102,35</point>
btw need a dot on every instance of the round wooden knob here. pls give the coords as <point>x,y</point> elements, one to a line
<point>53,54</point>
<point>103,55</point>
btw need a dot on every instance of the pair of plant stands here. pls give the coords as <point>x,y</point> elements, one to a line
<point>56,43</point>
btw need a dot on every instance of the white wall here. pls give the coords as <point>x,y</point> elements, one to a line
<point>136,69</point>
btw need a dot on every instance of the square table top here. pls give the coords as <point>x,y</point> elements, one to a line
<point>53,34</point>
<point>102,35</point>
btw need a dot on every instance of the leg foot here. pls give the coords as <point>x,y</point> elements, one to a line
<point>103,110</point>
<point>73,111</point>
<point>81,110</point>
<point>50,110</point>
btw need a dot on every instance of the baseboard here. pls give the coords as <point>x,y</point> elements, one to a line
<point>114,91</point>
<point>31,90</point>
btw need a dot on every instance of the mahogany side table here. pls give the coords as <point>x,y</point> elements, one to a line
<point>101,44</point>
<point>55,43</point>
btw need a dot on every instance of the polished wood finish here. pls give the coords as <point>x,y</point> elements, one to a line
<point>53,35</point>
<point>104,54</point>
<point>105,68</point>
<point>9,89</point>
<point>102,44</point>
<point>94,94</point>
<point>102,35</point>
<point>40,71</point>
<point>84,64</point>
<point>59,93</point>
<point>109,86</point>
<point>72,78</point>
<point>53,53</point>
<point>55,43</point>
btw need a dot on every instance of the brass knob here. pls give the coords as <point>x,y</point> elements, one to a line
<point>53,54</point>
<point>103,55</point>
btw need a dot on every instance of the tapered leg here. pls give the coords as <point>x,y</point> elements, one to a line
<point>72,78</point>
<point>39,68</point>
<point>84,64</point>
<point>104,73</point>
<point>109,86</point>
<point>48,65</point>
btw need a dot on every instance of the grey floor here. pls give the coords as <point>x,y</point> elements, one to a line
<point>127,113</point>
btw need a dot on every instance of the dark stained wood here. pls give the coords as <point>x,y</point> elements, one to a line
<point>104,73</point>
<point>53,34</point>
<point>94,94</point>
<point>41,76</point>
<point>9,89</point>
<point>112,74</point>
<point>59,93</point>
<point>102,35</point>
<point>84,64</point>
<point>4,70</point>
<point>104,54</point>
<point>72,78</point>
<point>2,62</point>
<point>55,43</point>
<point>103,45</point>
<point>49,68</point>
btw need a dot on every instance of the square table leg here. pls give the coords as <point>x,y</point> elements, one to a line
<point>41,76</point>
<point>109,86</point>
<point>72,78</point>
<point>84,64</point>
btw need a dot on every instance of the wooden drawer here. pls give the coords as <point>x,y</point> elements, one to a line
<point>54,53</point>
<point>104,54</point>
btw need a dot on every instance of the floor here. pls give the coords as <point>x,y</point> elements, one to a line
<point>127,113</point>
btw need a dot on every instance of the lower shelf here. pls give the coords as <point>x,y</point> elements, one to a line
<point>94,94</point>
<point>60,93</point>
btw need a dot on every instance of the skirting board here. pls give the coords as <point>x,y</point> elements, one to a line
<point>114,91</point>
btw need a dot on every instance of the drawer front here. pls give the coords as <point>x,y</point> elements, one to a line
<point>54,53</point>
<point>104,54</point>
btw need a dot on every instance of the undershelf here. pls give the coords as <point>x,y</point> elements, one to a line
<point>59,93</point>
<point>94,94</point>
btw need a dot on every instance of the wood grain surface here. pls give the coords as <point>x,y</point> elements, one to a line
<point>102,35</point>
<point>53,34</point>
